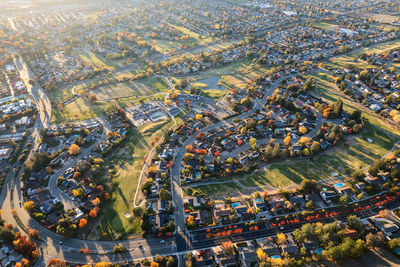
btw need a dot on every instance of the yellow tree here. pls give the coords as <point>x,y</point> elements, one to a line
<point>261,254</point>
<point>303,130</point>
<point>74,149</point>
<point>29,205</point>
<point>287,139</point>
<point>281,238</point>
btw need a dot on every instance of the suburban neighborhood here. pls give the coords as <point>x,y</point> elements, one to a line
<point>199,133</point>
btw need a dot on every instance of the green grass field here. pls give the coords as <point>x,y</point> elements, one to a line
<point>145,87</point>
<point>79,109</point>
<point>217,190</point>
<point>128,162</point>
<point>324,25</point>
<point>92,59</point>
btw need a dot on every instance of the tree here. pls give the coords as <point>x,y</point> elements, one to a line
<point>303,130</point>
<point>119,249</point>
<point>354,222</point>
<point>344,199</point>
<point>152,170</point>
<point>82,223</point>
<point>261,254</point>
<point>310,205</point>
<point>188,157</point>
<point>308,186</point>
<point>280,238</point>
<point>29,206</point>
<point>199,117</point>
<point>7,235</point>
<point>287,139</point>
<point>335,253</point>
<point>315,147</point>
<point>164,194</point>
<point>253,143</point>
<point>93,214</point>
<point>74,149</point>
<point>57,263</point>
<point>375,240</point>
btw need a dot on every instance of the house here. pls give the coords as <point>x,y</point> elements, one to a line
<point>269,247</point>
<point>247,254</point>
<point>297,201</point>
<point>240,210</point>
<point>221,212</point>
<point>194,201</point>
<point>328,195</point>
<point>353,234</point>
<point>386,226</point>
<point>199,217</point>
<point>204,258</point>
<point>310,244</point>
<point>162,205</point>
<point>360,186</point>
<point>289,246</point>
<point>162,219</point>
<point>260,205</point>
<point>385,176</point>
<point>344,190</point>
<point>372,180</point>
<point>224,259</point>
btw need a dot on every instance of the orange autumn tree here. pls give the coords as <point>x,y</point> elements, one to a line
<point>93,214</point>
<point>82,223</point>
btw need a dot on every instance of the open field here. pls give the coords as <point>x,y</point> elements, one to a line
<point>217,190</point>
<point>324,25</point>
<point>139,89</point>
<point>351,58</point>
<point>79,109</point>
<point>128,162</point>
<point>92,59</point>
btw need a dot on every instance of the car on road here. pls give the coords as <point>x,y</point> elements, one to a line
<point>61,242</point>
<point>162,241</point>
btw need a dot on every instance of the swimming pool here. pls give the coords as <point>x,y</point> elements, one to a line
<point>234,205</point>
<point>275,257</point>
<point>318,251</point>
<point>339,185</point>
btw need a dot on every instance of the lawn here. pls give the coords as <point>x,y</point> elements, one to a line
<point>216,190</point>
<point>79,109</point>
<point>215,94</point>
<point>233,75</point>
<point>144,87</point>
<point>92,59</point>
<point>128,163</point>
<point>324,25</point>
